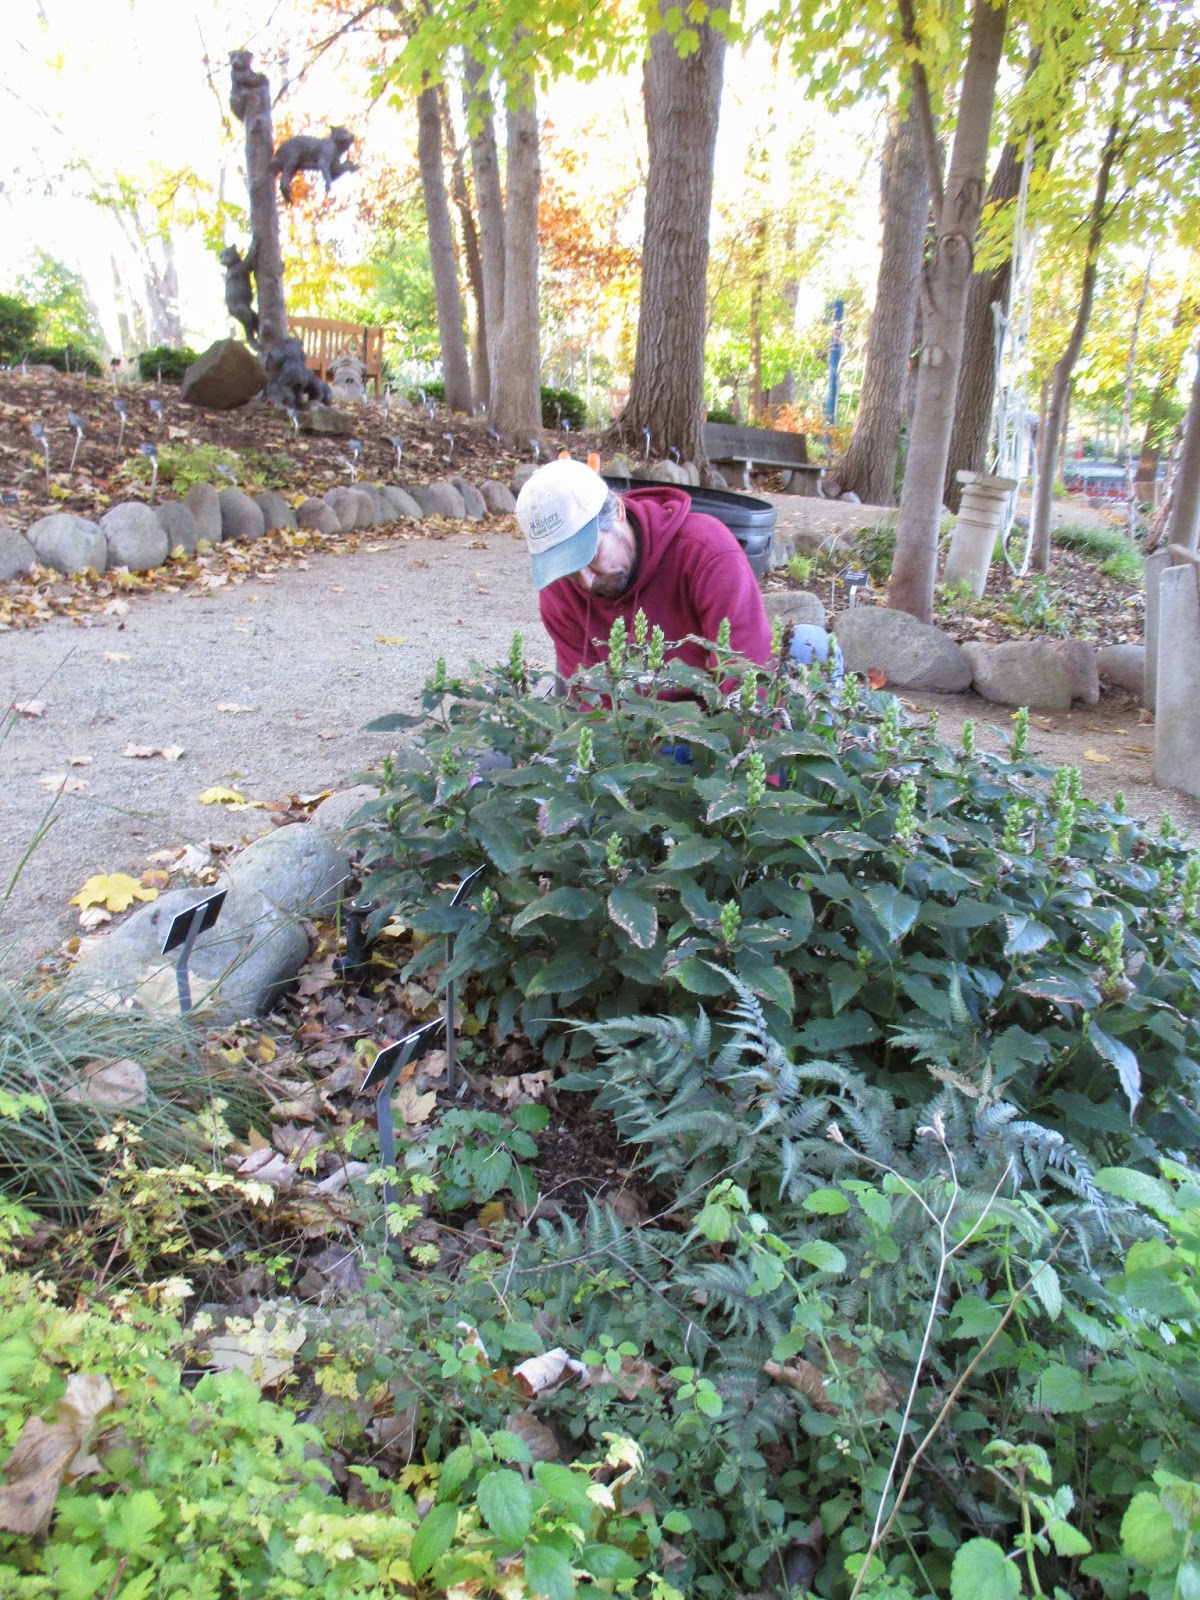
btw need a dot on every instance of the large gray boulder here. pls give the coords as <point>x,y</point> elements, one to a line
<point>136,538</point>
<point>318,515</point>
<point>665,471</point>
<point>440,499</point>
<point>1124,666</point>
<point>68,543</point>
<point>1079,658</point>
<point>498,498</point>
<point>203,501</point>
<point>227,375</point>
<point>345,504</point>
<point>797,606</point>
<point>368,508</point>
<point>328,424</point>
<point>473,501</point>
<point>277,513</point>
<point>1024,672</point>
<point>257,947</point>
<point>241,520</point>
<point>523,474</point>
<point>179,525</point>
<point>17,555</point>
<point>399,504</point>
<point>911,654</point>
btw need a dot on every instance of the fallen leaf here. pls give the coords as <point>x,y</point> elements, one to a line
<point>116,891</point>
<point>46,1454</point>
<point>111,1083</point>
<point>217,796</point>
<point>414,1107</point>
<point>113,655</point>
<point>154,879</point>
<point>94,917</point>
<point>389,638</point>
<point>1095,755</point>
<point>140,752</point>
<point>266,1166</point>
<point>522,1089</point>
<point>492,1214</point>
<point>233,707</point>
<point>266,1355</point>
<point>117,608</point>
<point>80,761</point>
<point>547,1371</point>
<point>29,708</point>
<point>542,1441</point>
<point>876,678</point>
<point>171,752</point>
<point>61,783</point>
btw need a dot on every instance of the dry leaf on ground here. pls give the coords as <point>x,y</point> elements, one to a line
<point>46,1453</point>
<point>29,708</point>
<point>111,1083</point>
<point>219,796</point>
<point>116,891</point>
<point>234,708</point>
<point>547,1371</point>
<point>61,783</point>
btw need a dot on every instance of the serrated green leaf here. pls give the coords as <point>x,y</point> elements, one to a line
<point>506,1504</point>
<point>1148,1532</point>
<point>606,1562</point>
<point>895,912</point>
<point>821,1254</point>
<point>1122,1058</point>
<point>634,914</point>
<point>826,1203</point>
<point>698,977</point>
<point>845,980</point>
<point>433,1538</point>
<point>572,905</point>
<point>694,851</point>
<point>981,1571</point>
<point>548,1572</point>
<point>1139,1188</point>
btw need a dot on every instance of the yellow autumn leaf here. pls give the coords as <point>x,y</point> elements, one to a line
<point>389,638</point>
<point>1095,755</point>
<point>116,891</point>
<point>217,796</point>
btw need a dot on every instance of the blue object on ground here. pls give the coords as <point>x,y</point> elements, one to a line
<point>810,643</point>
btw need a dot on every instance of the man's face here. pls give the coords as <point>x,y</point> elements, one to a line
<point>608,574</point>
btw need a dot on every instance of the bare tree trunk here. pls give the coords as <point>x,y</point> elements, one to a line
<point>516,408</point>
<point>470,242</point>
<point>1184,524</point>
<point>870,465</point>
<point>1060,390</point>
<point>758,274</point>
<point>1131,503</point>
<point>264,215</point>
<point>1060,448</point>
<point>683,101</point>
<point>945,284</point>
<point>455,371</point>
<point>489,201</point>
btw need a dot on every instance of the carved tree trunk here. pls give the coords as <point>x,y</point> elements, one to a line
<point>470,241</point>
<point>264,218</point>
<point>455,371</point>
<point>977,379</point>
<point>516,408</point>
<point>489,202</point>
<point>1184,524</point>
<point>870,465</point>
<point>945,285</point>
<point>683,102</point>
<point>1060,389</point>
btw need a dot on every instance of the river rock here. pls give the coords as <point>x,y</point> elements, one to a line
<point>179,525</point>
<point>203,501</point>
<point>227,375</point>
<point>665,471</point>
<point>277,513</point>
<point>366,514</point>
<point>797,606</point>
<point>344,503</point>
<point>1124,666</point>
<point>68,543</point>
<point>911,654</point>
<point>323,421</point>
<point>1023,672</point>
<point>523,474</point>
<point>400,504</point>
<point>318,515</point>
<point>440,499</point>
<point>136,538</point>
<point>17,555</point>
<point>1079,658</point>
<point>473,501</point>
<point>498,498</point>
<point>241,520</point>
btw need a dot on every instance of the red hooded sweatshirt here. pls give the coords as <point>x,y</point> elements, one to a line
<point>691,576</point>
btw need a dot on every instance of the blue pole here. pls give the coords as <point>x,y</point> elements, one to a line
<point>835,361</point>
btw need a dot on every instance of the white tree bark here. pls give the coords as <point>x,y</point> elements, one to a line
<point>516,405</point>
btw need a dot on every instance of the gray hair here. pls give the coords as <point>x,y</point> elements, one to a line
<point>609,514</point>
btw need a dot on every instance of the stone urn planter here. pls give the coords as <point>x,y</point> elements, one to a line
<point>980,518</point>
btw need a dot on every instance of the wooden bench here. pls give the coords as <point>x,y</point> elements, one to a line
<point>325,339</point>
<point>726,444</point>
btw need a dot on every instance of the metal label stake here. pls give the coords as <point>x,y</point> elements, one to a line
<point>381,1082</point>
<point>460,895</point>
<point>186,927</point>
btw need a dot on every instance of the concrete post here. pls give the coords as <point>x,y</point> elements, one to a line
<point>1156,565</point>
<point>1177,714</point>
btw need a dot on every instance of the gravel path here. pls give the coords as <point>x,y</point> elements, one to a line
<point>312,654</point>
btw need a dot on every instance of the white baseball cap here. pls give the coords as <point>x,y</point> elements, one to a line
<point>558,510</point>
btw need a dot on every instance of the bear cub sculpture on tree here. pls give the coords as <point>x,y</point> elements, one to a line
<point>306,153</point>
<point>243,80</point>
<point>239,294</point>
<point>289,382</point>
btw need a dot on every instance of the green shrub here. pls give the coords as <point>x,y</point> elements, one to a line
<point>1118,556</point>
<point>18,327</point>
<point>434,390</point>
<point>66,358</point>
<point>181,465</point>
<point>165,361</point>
<point>562,405</point>
<point>875,549</point>
<point>721,414</point>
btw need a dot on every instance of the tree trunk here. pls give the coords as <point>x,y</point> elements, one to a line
<point>1060,389</point>
<point>1131,503</point>
<point>470,241</point>
<point>264,217</point>
<point>945,284</point>
<point>758,275</point>
<point>489,202</point>
<point>977,379</point>
<point>516,408</point>
<point>455,371</point>
<point>683,101</point>
<point>870,465</point>
<point>1184,525</point>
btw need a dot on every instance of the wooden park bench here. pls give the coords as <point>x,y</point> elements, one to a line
<point>325,339</point>
<point>726,444</point>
